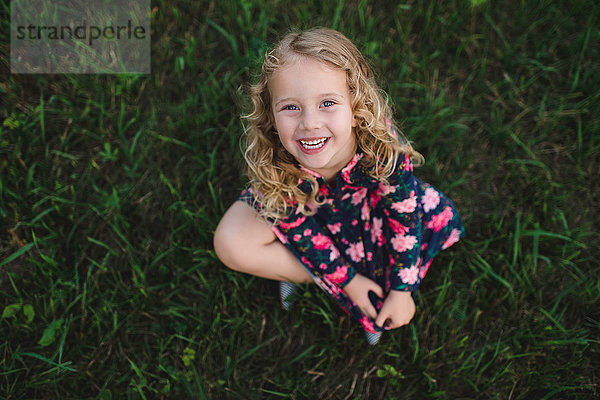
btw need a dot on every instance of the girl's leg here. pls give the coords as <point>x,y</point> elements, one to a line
<point>244,242</point>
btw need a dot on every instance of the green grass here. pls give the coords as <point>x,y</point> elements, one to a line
<point>111,187</point>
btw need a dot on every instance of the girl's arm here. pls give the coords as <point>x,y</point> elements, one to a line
<point>245,242</point>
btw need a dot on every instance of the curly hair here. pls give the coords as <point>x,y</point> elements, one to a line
<point>272,171</point>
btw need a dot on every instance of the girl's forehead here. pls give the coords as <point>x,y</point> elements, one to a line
<point>307,75</point>
<point>301,61</point>
<point>289,70</point>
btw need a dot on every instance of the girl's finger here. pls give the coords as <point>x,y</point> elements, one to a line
<point>393,324</point>
<point>370,311</point>
<point>375,288</point>
<point>382,317</point>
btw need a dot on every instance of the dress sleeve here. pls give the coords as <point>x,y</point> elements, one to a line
<point>403,227</point>
<point>421,221</point>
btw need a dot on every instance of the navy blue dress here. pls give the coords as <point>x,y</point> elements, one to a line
<point>388,233</point>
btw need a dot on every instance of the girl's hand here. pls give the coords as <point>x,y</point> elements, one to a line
<point>397,310</point>
<point>358,291</point>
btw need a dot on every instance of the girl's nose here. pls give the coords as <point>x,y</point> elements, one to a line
<point>311,119</point>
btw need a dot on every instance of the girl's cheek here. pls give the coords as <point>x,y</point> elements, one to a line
<point>285,123</point>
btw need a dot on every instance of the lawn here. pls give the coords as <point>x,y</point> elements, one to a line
<point>111,187</point>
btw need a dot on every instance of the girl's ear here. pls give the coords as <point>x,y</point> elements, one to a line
<point>354,122</point>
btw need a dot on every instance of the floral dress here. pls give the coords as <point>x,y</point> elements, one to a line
<point>389,234</point>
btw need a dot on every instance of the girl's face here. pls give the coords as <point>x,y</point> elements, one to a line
<point>311,106</point>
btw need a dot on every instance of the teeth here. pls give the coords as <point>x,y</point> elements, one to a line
<point>313,144</point>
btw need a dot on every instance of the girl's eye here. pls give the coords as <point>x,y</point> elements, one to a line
<point>290,107</point>
<point>328,103</point>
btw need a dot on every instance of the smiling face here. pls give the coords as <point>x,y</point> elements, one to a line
<point>312,113</point>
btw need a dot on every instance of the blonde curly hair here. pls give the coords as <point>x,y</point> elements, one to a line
<point>272,171</point>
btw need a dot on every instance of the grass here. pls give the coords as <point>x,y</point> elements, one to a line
<point>111,187</point>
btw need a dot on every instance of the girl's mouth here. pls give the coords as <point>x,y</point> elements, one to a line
<point>313,144</point>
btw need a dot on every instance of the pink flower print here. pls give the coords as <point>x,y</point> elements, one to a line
<point>375,197</point>
<point>358,196</point>
<point>439,221</point>
<point>306,262</point>
<point>293,224</point>
<point>377,232</point>
<point>423,269</point>
<point>323,191</point>
<point>407,163</point>
<point>397,227</point>
<point>364,212</point>
<point>334,254</point>
<point>430,199</point>
<point>297,237</point>
<point>279,235</point>
<point>307,232</point>
<point>356,251</point>
<point>406,205</point>
<point>348,168</point>
<point>424,246</point>
<point>369,256</point>
<point>402,243</point>
<point>453,238</point>
<point>354,222</point>
<point>321,241</point>
<point>367,324</point>
<point>339,276</point>
<point>409,275</point>
<point>310,172</point>
<point>334,228</point>
<point>384,190</point>
<point>323,266</point>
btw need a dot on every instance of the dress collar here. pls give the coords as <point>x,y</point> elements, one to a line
<point>352,174</point>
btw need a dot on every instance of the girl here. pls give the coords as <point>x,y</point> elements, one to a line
<point>332,197</point>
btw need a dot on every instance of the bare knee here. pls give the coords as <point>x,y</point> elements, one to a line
<point>246,243</point>
<point>225,248</point>
<point>240,238</point>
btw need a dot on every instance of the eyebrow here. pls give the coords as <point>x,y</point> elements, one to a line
<point>332,94</point>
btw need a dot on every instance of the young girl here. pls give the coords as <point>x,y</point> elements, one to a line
<point>332,198</point>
